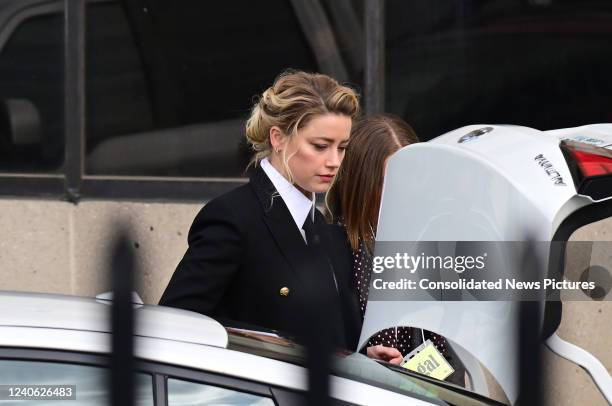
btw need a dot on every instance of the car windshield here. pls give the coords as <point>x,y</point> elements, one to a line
<point>357,367</point>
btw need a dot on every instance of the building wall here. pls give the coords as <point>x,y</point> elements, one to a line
<point>59,247</point>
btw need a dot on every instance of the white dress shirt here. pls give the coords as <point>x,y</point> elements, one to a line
<point>299,205</point>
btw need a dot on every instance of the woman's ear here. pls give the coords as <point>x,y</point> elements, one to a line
<point>277,139</point>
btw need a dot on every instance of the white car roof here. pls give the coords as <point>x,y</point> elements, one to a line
<point>40,310</point>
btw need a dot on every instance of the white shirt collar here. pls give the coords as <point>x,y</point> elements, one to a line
<point>299,205</point>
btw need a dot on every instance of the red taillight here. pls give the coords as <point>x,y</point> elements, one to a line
<point>593,165</point>
<point>591,168</point>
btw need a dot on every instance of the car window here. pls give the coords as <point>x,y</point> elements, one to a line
<point>184,393</point>
<point>90,383</point>
<point>31,90</point>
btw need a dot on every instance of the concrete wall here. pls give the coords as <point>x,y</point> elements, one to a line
<point>58,247</point>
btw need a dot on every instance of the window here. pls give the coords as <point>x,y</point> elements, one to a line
<point>534,63</point>
<point>170,85</point>
<point>148,99</point>
<point>91,383</point>
<point>184,393</point>
<point>31,89</point>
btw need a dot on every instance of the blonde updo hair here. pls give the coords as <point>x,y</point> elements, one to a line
<point>291,102</point>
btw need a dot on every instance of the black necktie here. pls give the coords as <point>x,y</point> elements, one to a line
<point>325,311</point>
<point>314,243</point>
<point>312,238</point>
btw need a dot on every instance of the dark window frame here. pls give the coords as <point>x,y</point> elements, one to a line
<point>73,185</point>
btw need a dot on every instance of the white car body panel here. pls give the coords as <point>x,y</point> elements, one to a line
<point>487,188</point>
<point>66,312</point>
<point>162,335</point>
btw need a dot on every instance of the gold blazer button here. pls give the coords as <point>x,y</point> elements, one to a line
<point>284,291</point>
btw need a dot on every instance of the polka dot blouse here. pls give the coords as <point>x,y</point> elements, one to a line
<point>404,339</point>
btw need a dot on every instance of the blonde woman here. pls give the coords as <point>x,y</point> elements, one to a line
<point>249,259</point>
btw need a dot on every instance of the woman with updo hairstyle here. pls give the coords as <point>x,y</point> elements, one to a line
<point>256,253</point>
<point>354,202</point>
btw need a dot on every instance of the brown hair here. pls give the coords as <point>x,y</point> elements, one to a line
<point>354,198</point>
<point>291,102</point>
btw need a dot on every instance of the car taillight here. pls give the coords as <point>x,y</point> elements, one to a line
<point>591,168</point>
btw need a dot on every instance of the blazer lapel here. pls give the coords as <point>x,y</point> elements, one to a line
<point>279,221</point>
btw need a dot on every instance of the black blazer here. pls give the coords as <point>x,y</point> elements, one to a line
<point>248,262</point>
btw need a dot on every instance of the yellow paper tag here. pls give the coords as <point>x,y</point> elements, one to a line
<point>429,362</point>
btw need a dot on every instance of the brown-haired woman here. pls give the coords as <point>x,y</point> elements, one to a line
<point>249,257</point>
<point>354,201</point>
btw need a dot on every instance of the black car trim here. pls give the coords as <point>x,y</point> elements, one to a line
<point>160,391</point>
